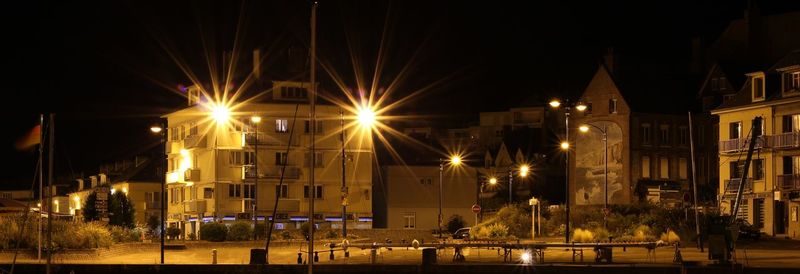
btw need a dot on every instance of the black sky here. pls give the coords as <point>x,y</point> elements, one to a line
<point>96,64</point>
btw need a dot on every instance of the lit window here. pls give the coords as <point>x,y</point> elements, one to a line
<point>612,106</point>
<point>758,87</point>
<point>281,125</point>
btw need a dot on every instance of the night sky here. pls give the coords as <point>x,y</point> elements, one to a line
<point>104,67</point>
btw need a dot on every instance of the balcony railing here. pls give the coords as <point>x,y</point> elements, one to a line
<point>784,140</point>
<point>272,172</point>
<point>278,139</point>
<point>732,185</point>
<point>741,144</point>
<point>789,182</point>
<point>195,206</point>
<point>148,205</point>
<point>193,141</point>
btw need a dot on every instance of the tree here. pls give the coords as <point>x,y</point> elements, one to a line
<point>154,223</point>
<point>121,210</point>
<point>456,222</point>
<point>89,210</point>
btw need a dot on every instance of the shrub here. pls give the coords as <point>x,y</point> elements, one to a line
<point>455,223</point>
<point>10,228</point>
<point>192,236</point>
<point>600,234</point>
<point>514,218</point>
<point>582,236</point>
<point>214,232</point>
<point>492,231</point>
<point>331,234</point>
<point>154,224</point>
<point>304,228</point>
<point>240,231</point>
<point>173,232</point>
<point>260,230</point>
<point>77,235</point>
<point>670,237</point>
<point>122,235</point>
<point>286,235</point>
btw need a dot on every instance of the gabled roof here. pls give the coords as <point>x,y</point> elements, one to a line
<point>772,83</point>
<point>640,82</point>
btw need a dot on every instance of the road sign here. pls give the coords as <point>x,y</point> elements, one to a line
<point>476,209</point>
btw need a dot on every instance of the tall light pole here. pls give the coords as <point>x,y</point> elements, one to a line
<point>344,182</point>
<point>159,129</point>
<point>523,172</point>
<point>454,160</point>
<point>255,120</point>
<point>565,146</point>
<point>604,131</point>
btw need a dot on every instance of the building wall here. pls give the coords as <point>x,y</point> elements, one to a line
<point>222,168</point>
<point>414,190</point>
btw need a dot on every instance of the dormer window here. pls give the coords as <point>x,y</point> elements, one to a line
<point>757,86</point>
<point>612,106</point>
<point>791,81</point>
<point>723,83</point>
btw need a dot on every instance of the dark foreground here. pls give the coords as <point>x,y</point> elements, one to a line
<point>391,269</point>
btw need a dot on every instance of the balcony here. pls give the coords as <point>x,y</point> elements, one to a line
<point>152,205</point>
<point>787,182</point>
<point>740,145</point>
<point>732,186</point>
<point>191,175</point>
<point>289,205</point>
<point>272,172</point>
<point>194,141</point>
<point>784,140</point>
<point>277,139</point>
<point>195,206</point>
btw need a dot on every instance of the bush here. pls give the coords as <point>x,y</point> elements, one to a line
<point>455,223</point>
<point>514,218</point>
<point>492,231</point>
<point>11,226</point>
<point>192,236</point>
<point>78,235</point>
<point>123,235</point>
<point>240,231</point>
<point>173,232</point>
<point>331,234</point>
<point>214,232</point>
<point>582,236</point>
<point>286,235</point>
<point>304,228</point>
<point>260,230</point>
<point>670,237</point>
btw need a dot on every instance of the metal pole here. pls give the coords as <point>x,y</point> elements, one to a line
<point>344,184</point>
<point>51,144</point>
<point>41,191</point>
<point>566,175</point>
<point>694,186</point>
<point>510,186</point>
<point>441,182</point>
<point>163,190</point>
<point>605,191</point>
<point>255,184</point>
<point>313,125</point>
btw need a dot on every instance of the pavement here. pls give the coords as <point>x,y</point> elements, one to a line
<point>766,252</point>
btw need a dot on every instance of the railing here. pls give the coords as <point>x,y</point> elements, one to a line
<point>148,205</point>
<point>741,144</point>
<point>784,140</point>
<point>277,139</point>
<point>732,185</point>
<point>288,205</point>
<point>193,141</point>
<point>789,182</point>
<point>197,206</point>
<point>272,172</point>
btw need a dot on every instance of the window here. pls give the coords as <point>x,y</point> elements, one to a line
<point>735,130</point>
<point>317,192</point>
<point>791,123</point>
<point>714,84</point>
<point>612,106</point>
<point>664,135</point>
<point>5,195</point>
<point>182,132</point>
<point>281,125</point>
<point>317,159</point>
<point>758,87</point>
<point>280,158</point>
<point>208,193</point>
<point>234,190</point>
<point>235,157</point>
<point>664,168</point>
<point>249,191</point>
<point>193,94</point>
<point>645,133</point>
<point>192,129</point>
<point>282,191</point>
<point>307,128</point>
<point>723,83</point>
<point>645,166</point>
<point>736,170</point>
<point>728,97</point>
<point>683,169</point>
<point>409,220</point>
<point>683,136</point>
<point>758,169</point>
<point>426,181</point>
<point>192,192</point>
<point>791,81</point>
<point>294,92</point>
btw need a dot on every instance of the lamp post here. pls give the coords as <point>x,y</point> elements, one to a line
<point>159,129</point>
<point>454,160</point>
<point>522,172</point>
<point>565,146</point>
<point>255,120</point>
<point>604,131</point>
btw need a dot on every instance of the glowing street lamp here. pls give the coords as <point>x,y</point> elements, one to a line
<point>454,160</point>
<point>555,103</point>
<point>493,181</point>
<point>159,129</point>
<point>523,172</point>
<point>366,117</point>
<point>220,113</point>
<point>604,130</point>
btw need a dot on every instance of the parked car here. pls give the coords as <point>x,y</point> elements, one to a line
<point>461,233</point>
<point>748,231</point>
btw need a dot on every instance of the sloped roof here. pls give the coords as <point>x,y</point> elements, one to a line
<point>772,83</point>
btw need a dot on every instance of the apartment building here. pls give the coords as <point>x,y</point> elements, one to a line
<point>771,197</point>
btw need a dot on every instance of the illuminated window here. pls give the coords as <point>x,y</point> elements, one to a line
<point>281,125</point>
<point>409,220</point>
<point>758,87</point>
<point>282,191</point>
<point>645,166</point>
<point>612,106</point>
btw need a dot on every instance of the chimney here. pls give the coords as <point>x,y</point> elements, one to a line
<point>256,64</point>
<point>80,184</point>
<point>93,179</point>
<point>610,60</point>
<point>103,178</point>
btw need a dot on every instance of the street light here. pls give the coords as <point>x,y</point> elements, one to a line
<point>604,130</point>
<point>159,129</point>
<point>255,120</point>
<point>555,103</point>
<point>523,172</point>
<point>454,160</point>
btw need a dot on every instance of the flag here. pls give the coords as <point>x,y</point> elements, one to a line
<point>32,138</point>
